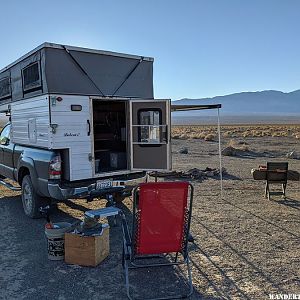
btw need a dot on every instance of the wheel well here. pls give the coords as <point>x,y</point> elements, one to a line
<point>22,173</point>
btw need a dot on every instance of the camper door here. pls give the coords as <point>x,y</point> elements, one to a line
<point>150,134</point>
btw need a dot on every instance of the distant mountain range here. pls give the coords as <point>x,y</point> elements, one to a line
<point>246,107</point>
<point>264,103</point>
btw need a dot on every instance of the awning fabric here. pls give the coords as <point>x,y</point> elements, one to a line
<point>194,107</point>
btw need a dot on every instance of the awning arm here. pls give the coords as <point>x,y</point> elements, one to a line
<point>194,107</point>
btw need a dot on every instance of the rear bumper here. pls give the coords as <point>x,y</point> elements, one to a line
<point>60,192</point>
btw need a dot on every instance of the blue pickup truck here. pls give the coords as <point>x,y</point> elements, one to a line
<point>38,174</point>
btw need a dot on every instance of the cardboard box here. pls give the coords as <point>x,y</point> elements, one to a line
<point>86,250</point>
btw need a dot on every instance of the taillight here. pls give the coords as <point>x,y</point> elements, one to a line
<point>55,168</point>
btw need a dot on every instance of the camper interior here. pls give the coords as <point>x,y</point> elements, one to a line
<point>110,138</point>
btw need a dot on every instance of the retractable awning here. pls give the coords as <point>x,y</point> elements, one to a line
<point>200,107</point>
<point>194,107</point>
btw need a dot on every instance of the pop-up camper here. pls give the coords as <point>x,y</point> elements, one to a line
<point>96,107</point>
<point>83,122</point>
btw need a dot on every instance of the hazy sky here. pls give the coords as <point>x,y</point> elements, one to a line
<point>201,48</point>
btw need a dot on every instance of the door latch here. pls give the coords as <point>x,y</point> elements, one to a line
<point>53,101</point>
<point>54,128</point>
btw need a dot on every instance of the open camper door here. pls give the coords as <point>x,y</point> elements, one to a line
<point>150,135</point>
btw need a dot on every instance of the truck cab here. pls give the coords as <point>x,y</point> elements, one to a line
<point>6,152</point>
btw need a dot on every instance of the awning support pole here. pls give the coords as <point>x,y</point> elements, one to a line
<point>220,154</point>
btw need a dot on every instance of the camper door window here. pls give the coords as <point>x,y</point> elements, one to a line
<point>150,123</point>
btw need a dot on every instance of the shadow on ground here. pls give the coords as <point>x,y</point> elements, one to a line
<point>290,202</point>
<point>25,269</point>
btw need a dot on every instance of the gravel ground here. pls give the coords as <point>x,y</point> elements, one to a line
<point>246,247</point>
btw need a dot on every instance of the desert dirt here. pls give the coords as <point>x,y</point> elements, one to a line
<point>246,247</point>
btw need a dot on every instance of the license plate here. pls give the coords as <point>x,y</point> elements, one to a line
<point>103,184</point>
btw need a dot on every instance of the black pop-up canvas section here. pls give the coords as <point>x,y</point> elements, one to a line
<point>60,69</point>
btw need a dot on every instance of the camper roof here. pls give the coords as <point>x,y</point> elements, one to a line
<point>81,49</point>
<point>59,69</point>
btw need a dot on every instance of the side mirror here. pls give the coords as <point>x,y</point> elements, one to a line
<point>4,141</point>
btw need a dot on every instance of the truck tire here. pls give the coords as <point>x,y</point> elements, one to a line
<point>31,200</point>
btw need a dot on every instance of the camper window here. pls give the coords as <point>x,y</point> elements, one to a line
<point>5,90</point>
<point>150,124</point>
<point>31,77</point>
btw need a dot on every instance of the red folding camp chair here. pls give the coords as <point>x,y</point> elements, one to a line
<point>161,225</point>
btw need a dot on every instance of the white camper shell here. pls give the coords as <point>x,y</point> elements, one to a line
<point>96,107</point>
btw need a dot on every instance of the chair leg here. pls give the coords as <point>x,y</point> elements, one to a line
<point>126,269</point>
<point>190,277</point>
<point>266,189</point>
<point>284,190</point>
<point>176,257</point>
<point>123,257</point>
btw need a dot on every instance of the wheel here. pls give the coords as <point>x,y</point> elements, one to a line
<point>31,200</point>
